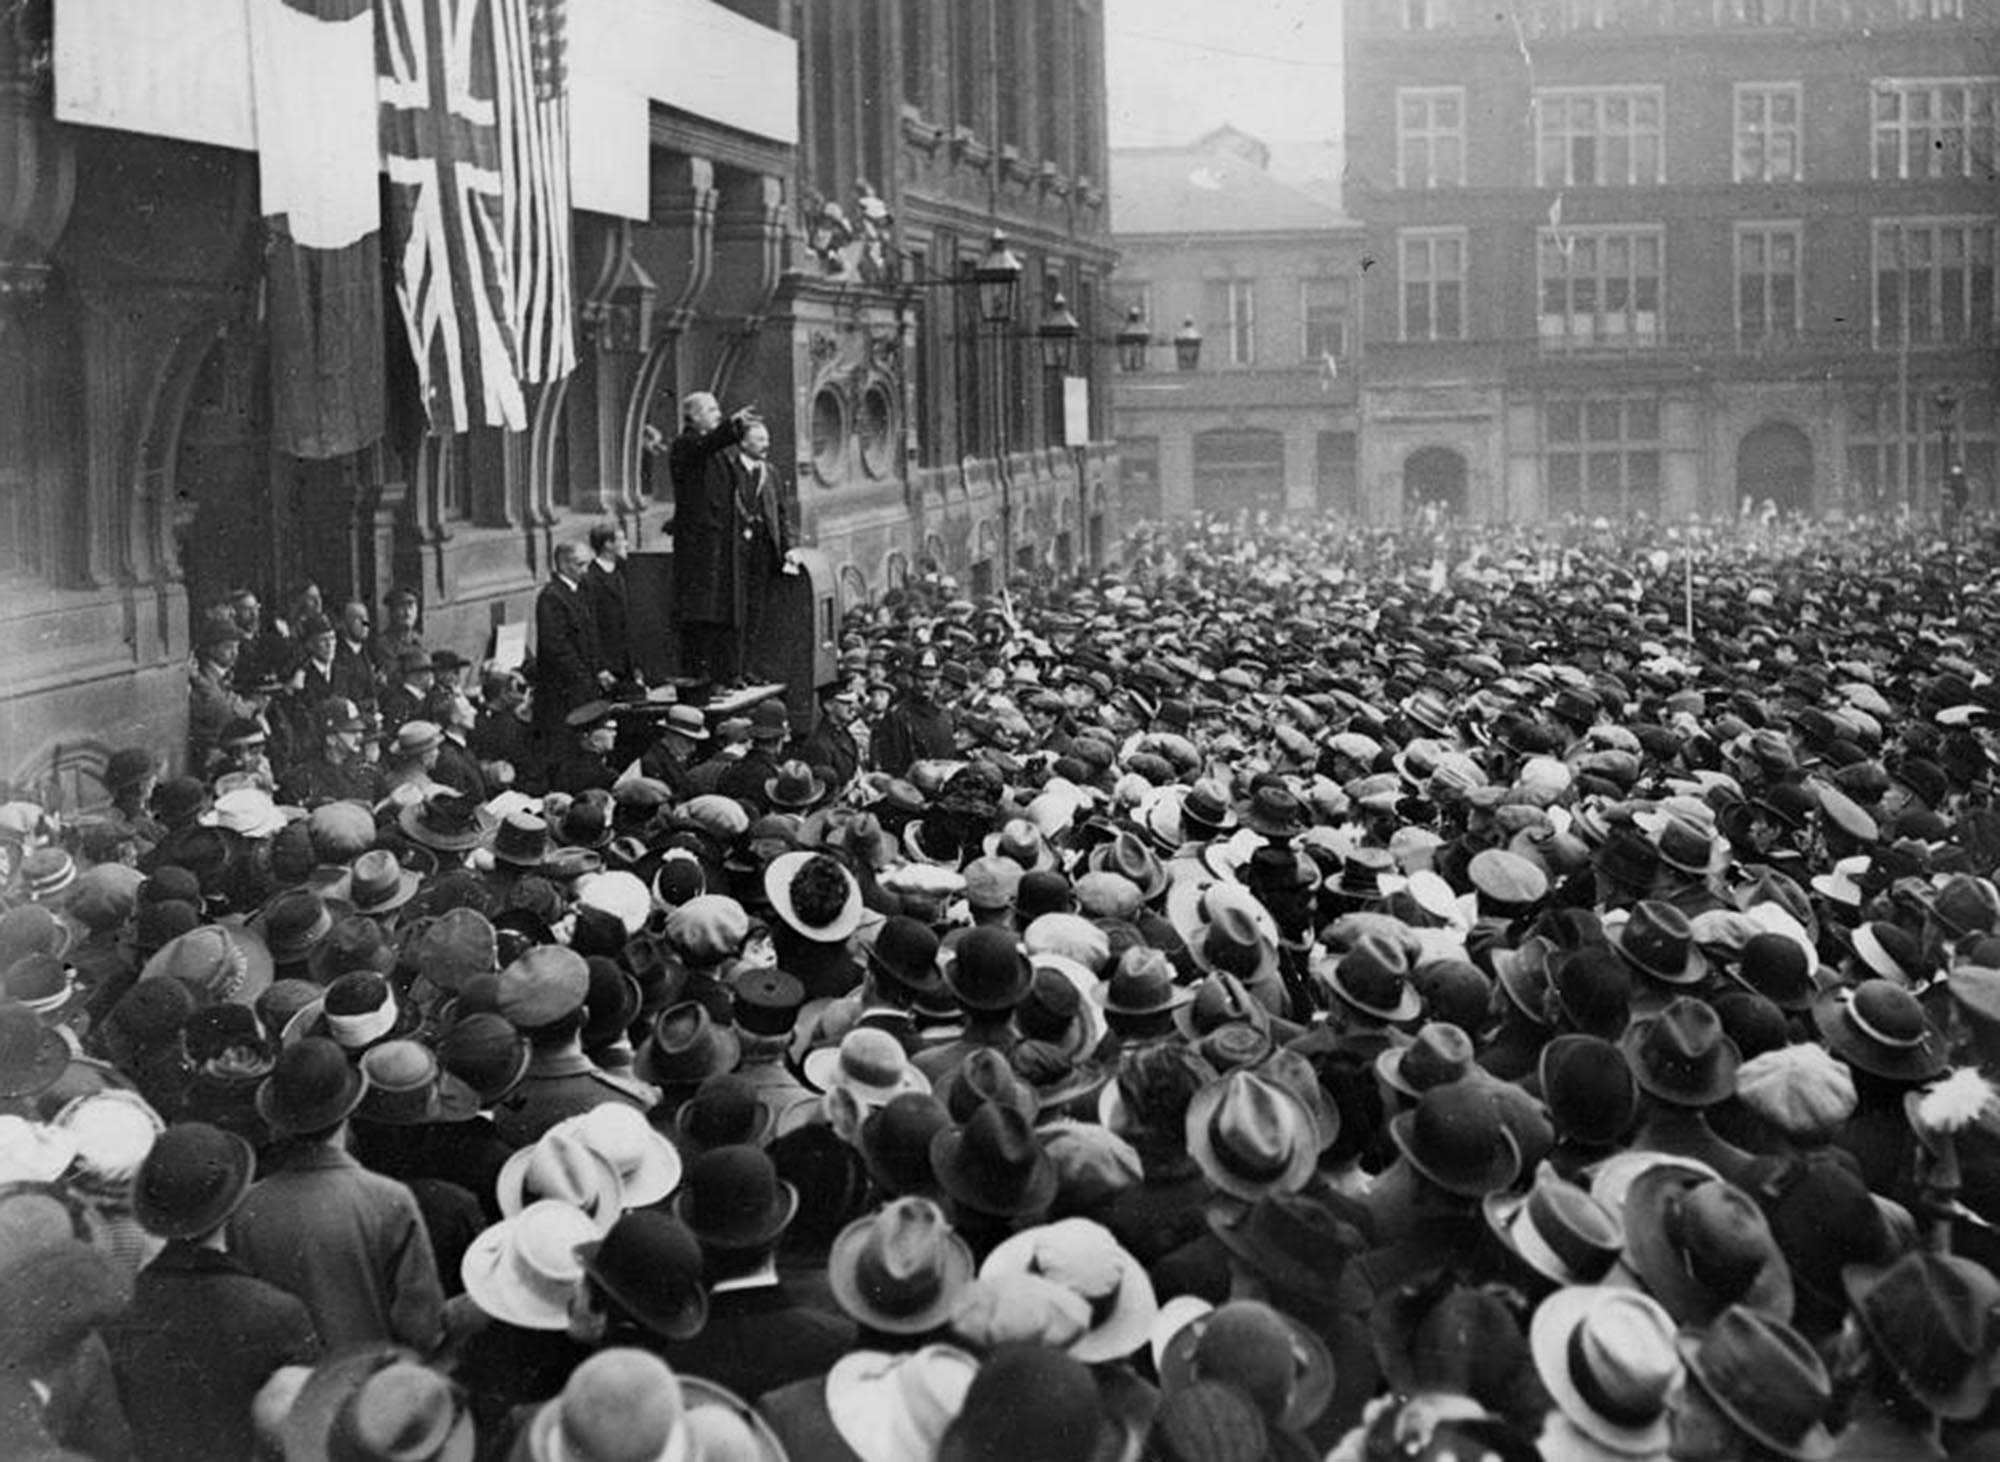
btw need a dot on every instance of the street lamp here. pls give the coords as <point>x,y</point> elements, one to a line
<point>998,275</point>
<point>1058,335</point>
<point>1187,346</point>
<point>1132,342</point>
<point>998,278</point>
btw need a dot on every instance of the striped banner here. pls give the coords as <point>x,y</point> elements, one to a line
<point>534,171</point>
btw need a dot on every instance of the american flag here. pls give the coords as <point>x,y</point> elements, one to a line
<point>474,140</point>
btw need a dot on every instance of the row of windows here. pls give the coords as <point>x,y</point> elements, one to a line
<point>1932,283</point>
<point>1538,17</point>
<point>1615,137</point>
<point>1228,321</point>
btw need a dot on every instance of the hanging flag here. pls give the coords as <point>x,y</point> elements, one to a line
<point>312,82</point>
<point>1329,370</point>
<point>1564,241</point>
<point>438,80</point>
<point>533,65</point>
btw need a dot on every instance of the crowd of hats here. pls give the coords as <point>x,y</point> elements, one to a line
<point>1355,993</point>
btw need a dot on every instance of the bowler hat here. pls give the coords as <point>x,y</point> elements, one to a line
<point>487,1053</point>
<point>990,970</point>
<point>905,950</point>
<point>732,1199</point>
<point>1373,977</point>
<point>649,1262</point>
<point>192,1180</point>
<point>1588,1085</point>
<point>313,1088</point>
<point>1881,1028</point>
<point>895,1142</point>
<point>993,1165</point>
<point>1456,1138</point>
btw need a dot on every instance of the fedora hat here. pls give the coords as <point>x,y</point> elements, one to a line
<point>376,884</point>
<point>293,924</point>
<point>870,1065</point>
<point>1250,1135</point>
<point>1056,1076</point>
<point>408,1087</point>
<point>895,1142</point>
<point>896,1408</point>
<point>524,1269</point>
<point>1657,940</point>
<point>1608,1360</point>
<point>900,1270</point>
<point>522,840</point>
<point>834,909</point>
<point>1082,1257</point>
<point>313,1088</point>
<point>723,1112</point>
<point>619,1405</point>
<point>1766,1378</point>
<point>1221,999</point>
<point>685,720</point>
<point>985,1075</point>
<point>1292,1239</point>
<point>1456,1137</point>
<point>1589,1088</point>
<point>1557,1229</point>
<point>1234,942</point>
<point>1020,841</point>
<point>650,1264</point>
<point>795,787</point>
<point>1682,1056</point>
<point>1373,977</point>
<point>1141,985</point>
<point>194,1177</point>
<point>1700,1245</point>
<point>1440,1053</point>
<point>1881,1028</point>
<point>1931,1318</point>
<point>733,1199</point>
<point>647,1164</point>
<point>354,942</point>
<point>455,946</point>
<point>1205,810</point>
<point>1128,856</point>
<point>993,1164</point>
<point>1272,812</point>
<point>448,821</point>
<point>561,1167</point>
<point>686,1047</point>
<point>1281,1366</point>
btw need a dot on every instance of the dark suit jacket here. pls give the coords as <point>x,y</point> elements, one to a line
<point>608,592</point>
<point>202,1335</point>
<point>459,769</point>
<point>798,1414</point>
<point>757,1340</point>
<point>566,651</point>
<point>353,674</point>
<point>712,555</point>
<point>704,524</point>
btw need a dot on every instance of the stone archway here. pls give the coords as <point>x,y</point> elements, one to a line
<point>1434,477</point>
<point>1775,462</point>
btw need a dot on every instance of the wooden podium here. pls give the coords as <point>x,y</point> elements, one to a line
<point>803,641</point>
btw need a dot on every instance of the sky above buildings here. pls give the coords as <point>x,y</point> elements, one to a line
<point>1179,68</point>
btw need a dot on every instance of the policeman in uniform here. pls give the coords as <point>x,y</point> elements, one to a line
<point>542,995</point>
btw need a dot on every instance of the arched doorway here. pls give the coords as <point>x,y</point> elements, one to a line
<point>1239,470</point>
<point>1434,477</point>
<point>1775,462</point>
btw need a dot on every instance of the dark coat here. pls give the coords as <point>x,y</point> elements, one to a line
<point>567,654</point>
<point>798,1414</point>
<point>719,530</point>
<point>353,674</point>
<point>609,593</point>
<point>757,1340</point>
<point>913,731</point>
<point>460,770</point>
<point>705,536</point>
<point>202,1335</point>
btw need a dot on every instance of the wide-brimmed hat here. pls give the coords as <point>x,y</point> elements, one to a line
<point>989,969</point>
<point>293,924</point>
<point>216,962</point>
<point>1272,812</point>
<point>895,1143</point>
<point>522,841</point>
<point>1882,1029</point>
<point>1456,1137</point>
<point>1283,1367</point>
<point>686,1047</point>
<point>358,1010</point>
<point>561,1167</point>
<point>1373,977</point>
<point>733,1199</point>
<point>1440,1052</point>
<point>1142,984</point>
<point>1022,842</point>
<point>358,1403</point>
<point>33,1056</point>
<point>1931,1319</point>
<point>895,1408</point>
<point>487,1053</point>
<point>1682,1055</point>
<point>828,926</point>
<point>900,1270</point>
<point>1292,1239</point>
<point>1557,1229</point>
<point>795,787</point>
<point>1608,1360</point>
<point>1766,1378</point>
<point>193,1179</point>
<point>44,984</point>
<point>1657,940</point>
<point>1589,1088</point>
<point>1251,1135</point>
<point>376,884</point>
<point>619,1405</point>
<point>1083,1258</point>
<point>650,1264</point>
<point>313,1088</point>
<point>1700,1245</point>
<point>985,1075</point>
<point>1221,999</point>
<point>524,1269</point>
<point>905,950</point>
<point>1128,856</point>
<point>647,1164</point>
<point>448,821</point>
<point>993,1164</point>
<point>870,1065</point>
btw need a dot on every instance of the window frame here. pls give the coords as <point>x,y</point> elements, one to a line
<point>1568,243</point>
<point>1767,91</point>
<point>1429,239</point>
<point>1430,134</point>
<point>1548,114</point>
<point>1623,448</point>
<point>1935,228</point>
<point>1343,323</point>
<point>1904,129</point>
<point>1769,229</point>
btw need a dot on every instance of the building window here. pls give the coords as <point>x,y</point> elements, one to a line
<point>1767,280</point>
<point>1606,138</point>
<point>1886,467</point>
<point>1323,306</point>
<point>1936,129</point>
<point>1767,134</point>
<point>1430,137</point>
<point>1601,456</point>
<point>1933,280</point>
<point>1125,293</point>
<point>1232,320</point>
<point>1600,288</point>
<point>1432,269</point>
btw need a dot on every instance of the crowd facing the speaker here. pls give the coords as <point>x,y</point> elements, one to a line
<point>1312,992</point>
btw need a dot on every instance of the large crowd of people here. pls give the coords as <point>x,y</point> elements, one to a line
<point>1313,992</point>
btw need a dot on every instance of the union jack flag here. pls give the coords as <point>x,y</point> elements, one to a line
<point>475,144</point>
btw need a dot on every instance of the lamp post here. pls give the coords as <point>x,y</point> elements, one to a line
<point>1187,346</point>
<point>1132,342</point>
<point>1945,401</point>
<point>998,277</point>
<point>1059,334</point>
